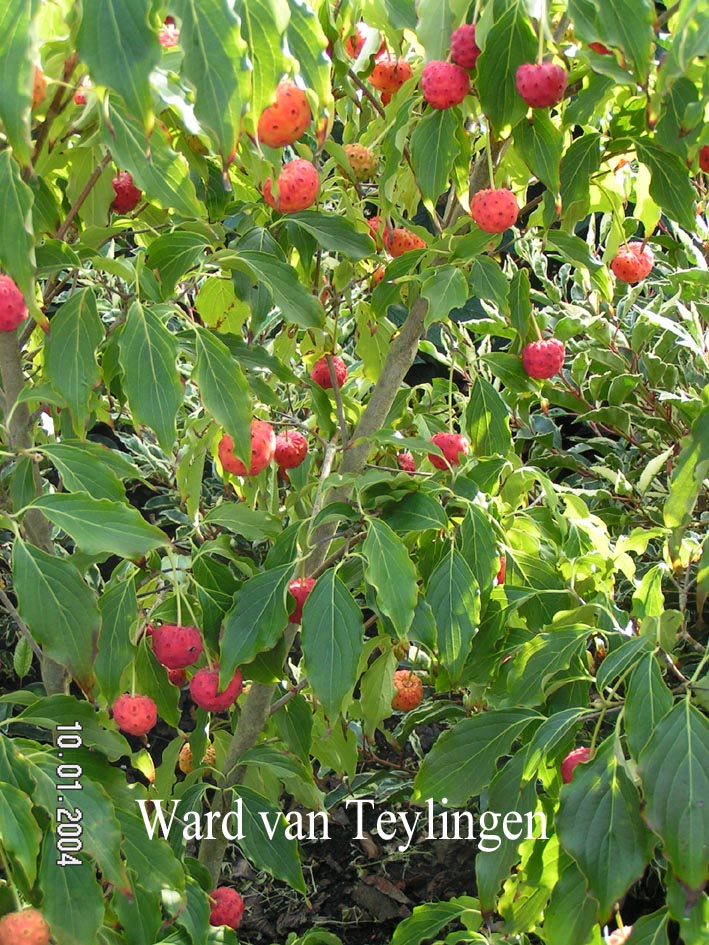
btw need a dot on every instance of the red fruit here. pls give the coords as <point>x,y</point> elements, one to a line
<point>39,87</point>
<point>444,84</point>
<point>464,49</point>
<point>298,185</point>
<point>400,240</point>
<point>354,44</point>
<point>452,445</point>
<point>494,210</point>
<point>178,677</point>
<point>375,230</point>
<point>386,98</point>
<point>500,577</point>
<point>291,449</point>
<point>127,194</point>
<point>80,97</point>
<point>576,757</point>
<point>542,84</point>
<point>389,73</point>
<point>176,647</point>
<point>263,446</point>
<point>24,928</point>
<point>601,49</point>
<point>406,461</point>
<point>320,372</point>
<point>361,160</point>
<point>228,907</point>
<point>205,692</point>
<point>286,119</point>
<point>169,34</point>
<point>633,262</point>
<point>13,310</point>
<point>378,274</point>
<point>543,359</point>
<point>704,158</point>
<point>409,690</point>
<point>135,715</point>
<point>300,588</point>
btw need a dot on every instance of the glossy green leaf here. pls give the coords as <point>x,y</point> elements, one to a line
<point>257,619</point>
<point>599,824</point>
<point>446,288</point>
<point>121,50</point>
<point>334,233</point>
<point>224,390</point>
<point>148,353</point>
<point>574,249</point>
<point>670,186</point>
<point>675,784</point>
<point>47,712</point>
<point>478,545</point>
<point>59,608</point>
<point>16,235</point>
<point>295,302</point>
<point>570,917</point>
<point>150,677</point>
<point>119,614</point>
<point>331,636</point>
<point>308,44</point>
<point>541,145</point>
<point>251,524</point>
<point>488,281</point>
<point>520,304</point>
<point>434,148</point>
<point>628,25</point>
<point>651,929</point>
<point>20,833</point>
<point>416,512</point>
<point>16,76</point>
<point>262,27</point>
<point>487,421</point>
<point>427,920</point>
<point>174,254</point>
<point>580,162</point>
<point>463,761</point>
<point>434,28</point>
<point>690,470</point>
<point>537,662</point>
<point>454,598</point>
<point>72,900</point>
<point>149,857</point>
<point>91,467</point>
<point>391,572</point>
<point>277,854</point>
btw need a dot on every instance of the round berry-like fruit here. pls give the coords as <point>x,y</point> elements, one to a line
<point>541,84</point>
<point>633,263</point>
<point>286,119</point>
<point>409,690</point>
<point>354,44</point>
<point>39,87</point>
<point>543,359</point>
<point>704,158</point>
<point>135,715</point>
<point>297,184</point>
<point>443,84</point>
<point>576,757</point>
<point>320,372</point>
<point>452,445</point>
<point>177,647</point>
<point>177,677</point>
<point>27,927</point>
<point>263,446</point>
<point>400,240</point>
<point>362,161</point>
<point>494,209</point>
<point>205,691</point>
<point>379,273</point>
<point>464,49</point>
<point>185,760</point>
<point>389,73</point>
<point>406,461</point>
<point>291,449</point>
<point>227,908</point>
<point>127,194</point>
<point>13,310</point>
<point>300,588</point>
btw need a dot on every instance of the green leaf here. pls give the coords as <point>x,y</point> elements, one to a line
<point>276,855</point>
<point>91,467</point>
<point>670,185</point>
<point>509,42</point>
<point>426,921</point>
<point>216,64</point>
<point>536,663</point>
<point>520,304</point>
<point>391,572</point>
<point>651,929</point>
<point>70,362</point>
<point>16,235</point>
<point>573,249</point>
<point>690,470</point>
<point>296,303</point>
<point>99,526</point>
<point>463,761</point>
<point>174,254</point>
<point>487,281</point>
<point>308,45</point>
<point>59,608</point>
<point>580,162</point>
<point>224,390</point>
<point>478,545</point>
<point>541,145</point>
<point>376,690</point>
<point>675,783</point>
<point>416,512</point>
<point>445,289</point>
<point>599,824</point>
<point>487,421</point>
<point>263,26</point>
<point>148,353</point>
<point>629,25</point>
<point>454,598</point>
<point>16,77</point>
<point>251,524</point>
<point>570,917</point>
<point>150,677</point>
<point>121,50</point>
<point>257,619</point>
<point>334,233</point>
<point>119,613</point>
<point>47,712</point>
<point>434,28</point>
<point>20,833</point>
<point>332,639</point>
<point>72,898</point>
<point>434,148</point>
<point>156,168</point>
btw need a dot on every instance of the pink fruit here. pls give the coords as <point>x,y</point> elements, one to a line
<point>633,262</point>
<point>406,461</point>
<point>389,73</point>
<point>177,647</point>
<point>408,690</point>
<point>24,928</point>
<point>127,194</point>
<point>354,44</point>
<point>135,715</point>
<point>543,359</point>
<point>542,84</point>
<point>177,677</point>
<point>263,446</point>
<point>400,240</point>
<point>300,588</point>
<point>576,757</point>
<point>169,34</point>
<point>320,372</point>
<point>205,692</point>
<point>464,49</point>
<point>444,84</point>
<point>452,445</point>
<point>286,119</point>
<point>228,907</point>
<point>494,210</point>
<point>291,449</point>
<point>13,310</point>
<point>298,185</point>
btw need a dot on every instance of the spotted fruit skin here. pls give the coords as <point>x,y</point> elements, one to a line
<point>177,647</point>
<point>297,187</point>
<point>287,119</point>
<point>576,757</point>
<point>263,447</point>
<point>464,49</point>
<point>444,84</point>
<point>408,690</point>
<point>227,908</point>
<point>400,240</point>
<point>291,449</point>
<point>633,263</point>
<point>135,714</point>
<point>452,445</point>
<point>205,691</point>
<point>362,161</point>
<point>389,73</point>
<point>13,310</point>
<point>320,372</point>
<point>543,359</point>
<point>406,461</point>
<point>542,84</point>
<point>185,760</point>
<point>127,194</point>
<point>27,927</point>
<point>494,209</point>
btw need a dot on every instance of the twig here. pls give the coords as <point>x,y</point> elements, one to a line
<point>21,625</point>
<point>86,190</point>
<point>291,694</point>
